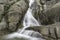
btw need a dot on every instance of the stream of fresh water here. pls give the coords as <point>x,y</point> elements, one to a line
<point>28,21</point>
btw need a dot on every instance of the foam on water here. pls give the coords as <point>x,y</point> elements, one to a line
<point>29,19</point>
<point>18,35</point>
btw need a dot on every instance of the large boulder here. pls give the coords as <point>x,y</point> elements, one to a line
<point>48,31</point>
<point>16,14</point>
<point>11,15</point>
<point>51,15</point>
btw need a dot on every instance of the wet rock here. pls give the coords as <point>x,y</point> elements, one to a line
<point>1,11</point>
<point>3,1</point>
<point>2,25</point>
<point>7,1</point>
<point>12,1</point>
<point>48,31</point>
<point>30,35</point>
<point>16,13</point>
<point>11,15</point>
<point>51,15</point>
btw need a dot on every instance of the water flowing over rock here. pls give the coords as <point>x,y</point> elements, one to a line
<point>29,20</point>
<point>49,32</point>
<point>32,35</point>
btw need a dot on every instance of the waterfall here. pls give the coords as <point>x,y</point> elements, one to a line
<point>28,21</point>
<point>25,36</point>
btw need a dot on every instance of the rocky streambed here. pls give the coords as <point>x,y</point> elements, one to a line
<point>13,11</point>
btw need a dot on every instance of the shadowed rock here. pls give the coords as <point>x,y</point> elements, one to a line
<point>51,15</point>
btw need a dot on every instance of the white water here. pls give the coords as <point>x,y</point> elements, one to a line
<point>29,19</point>
<point>24,36</point>
<point>31,2</point>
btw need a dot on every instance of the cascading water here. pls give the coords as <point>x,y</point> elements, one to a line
<point>28,21</point>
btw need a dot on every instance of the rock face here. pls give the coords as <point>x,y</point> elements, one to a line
<point>43,11</point>
<point>11,14</point>
<point>51,15</point>
<point>13,11</point>
<point>50,32</point>
<point>16,13</point>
